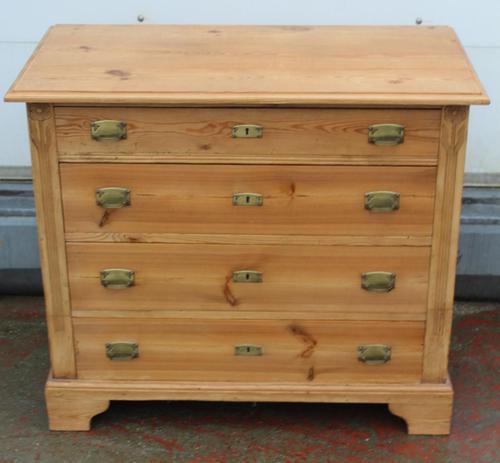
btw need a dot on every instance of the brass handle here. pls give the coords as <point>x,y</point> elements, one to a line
<point>379,282</point>
<point>374,354</point>
<point>117,278</point>
<point>247,131</point>
<point>112,197</point>
<point>247,276</point>
<point>108,130</point>
<point>382,201</point>
<point>248,199</point>
<point>248,349</point>
<point>122,350</point>
<point>386,134</point>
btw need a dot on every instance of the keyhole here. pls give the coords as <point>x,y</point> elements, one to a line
<point>247,130</point>
<point>247,199</point>
<point>247,276</point>
<point>248,349</point>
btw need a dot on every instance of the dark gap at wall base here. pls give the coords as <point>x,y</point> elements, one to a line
<point>477,288</point>
<point>21,281</point>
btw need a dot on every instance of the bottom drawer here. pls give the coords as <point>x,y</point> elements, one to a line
<point>254,351</point>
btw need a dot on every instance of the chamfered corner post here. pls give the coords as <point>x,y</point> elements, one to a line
<point>447,210</point>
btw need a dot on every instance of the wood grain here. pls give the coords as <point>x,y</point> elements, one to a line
<point>225,238</point>
<point>445,242</point>
<point>429,398</point>
<point>308,279</point>
<point>231,314</point>
<point>257,158</point>
<point>303,200</point>
<point>69,413</point>
<point>206,134</point>
<point>245,65</point>
<point>47,191</point>
<point>422,418</point>
<point>203,350</point>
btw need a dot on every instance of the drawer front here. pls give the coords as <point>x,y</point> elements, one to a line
<point>314,352</point>
<point>306,279</point>
<point>207,135</point>
<point>306,200</point>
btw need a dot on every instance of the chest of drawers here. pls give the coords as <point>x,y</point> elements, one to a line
<point>248,213</point>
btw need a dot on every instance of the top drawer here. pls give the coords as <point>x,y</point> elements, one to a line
<point>321,136</point>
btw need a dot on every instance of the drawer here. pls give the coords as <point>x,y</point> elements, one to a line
<point>206,135</point>
<point>290,351</point>
<point>306,200</point>
<point>306,279</point>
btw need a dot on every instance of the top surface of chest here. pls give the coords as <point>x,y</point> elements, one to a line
<point>249,65</point>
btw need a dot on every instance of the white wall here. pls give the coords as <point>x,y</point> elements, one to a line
<point>23,22</point>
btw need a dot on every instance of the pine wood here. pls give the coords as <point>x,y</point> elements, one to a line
<point>445,242</point>
<point>226,238</point>
<point>237,158</point>
<point>205,134</point>
<point>46,186</point>
<point>298,200</point>
<point>249,65</point>
<point>315,90</point>
<point>425,418</point>
<point>68,411</point>
<point>310,279</point>
<point>432,400</point>
<point>293,351</point>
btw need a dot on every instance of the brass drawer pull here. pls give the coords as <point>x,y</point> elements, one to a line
<point>117,278</point>
<point>247,131</point>
<point>112,197</point>
<point>386,134</point>
<point>248,349</point>
<point>122,350</point>
<point>247,276</point>
<point>379,282</point>
<point>248,199</point>
<point>382,201</point>
<point>108,130</point>
<point>374,354</point>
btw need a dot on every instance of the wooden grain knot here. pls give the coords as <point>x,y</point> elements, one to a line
<point>306,338</point>
<point>229,296</point>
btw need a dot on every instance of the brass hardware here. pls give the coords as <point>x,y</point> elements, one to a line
<point>247,349</point>
<point>382,201</point>
<point>248,199</point>
<point>247,131</point>
<point>374,354</point>
<point>117,278</point>
<point>122,350</point>
<point>108,130</point>
<point>386,134</point>
<point>112,197</point>
<point>247,276</point>
<point>379,282</point>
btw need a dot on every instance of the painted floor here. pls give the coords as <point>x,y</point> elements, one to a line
<point>229,432</point>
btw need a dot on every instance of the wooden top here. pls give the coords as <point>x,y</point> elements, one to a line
<point>249,65</point>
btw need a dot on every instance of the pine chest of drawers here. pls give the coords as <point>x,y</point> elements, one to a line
<point>248,213</point>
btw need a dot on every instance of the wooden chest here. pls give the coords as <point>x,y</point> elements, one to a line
<point>249,213</point>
